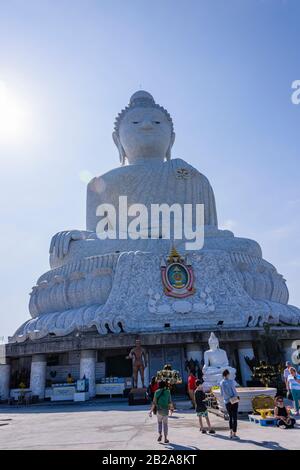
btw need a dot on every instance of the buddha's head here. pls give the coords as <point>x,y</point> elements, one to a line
<point>143,131</point>
<point>213,342</point>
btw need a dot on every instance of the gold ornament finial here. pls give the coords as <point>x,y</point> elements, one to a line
<point>173,254</point>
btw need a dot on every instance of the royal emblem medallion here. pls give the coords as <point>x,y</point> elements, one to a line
<point>177,275</point>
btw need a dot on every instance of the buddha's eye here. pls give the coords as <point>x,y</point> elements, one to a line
<point>157,122</point>
<point>135,122</point>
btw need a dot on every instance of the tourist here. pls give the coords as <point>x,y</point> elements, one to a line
<point>282,414</point>
<point>294,386</point>
<point>161,405</point>
<point>170,387</point>
<point>192,388</point>
<point>201,408</point>
<point>153,386</point>
<point>231,400</point>
<point>286,373</point>
<point>70,379</point>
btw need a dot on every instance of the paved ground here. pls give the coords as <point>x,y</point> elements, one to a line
<point>98,426</point>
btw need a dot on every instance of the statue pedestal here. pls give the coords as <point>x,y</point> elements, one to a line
<point>137,396</point>
<point>246,395</point>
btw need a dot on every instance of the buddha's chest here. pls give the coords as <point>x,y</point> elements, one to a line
<point>216,358</point>
<point>151,187</point>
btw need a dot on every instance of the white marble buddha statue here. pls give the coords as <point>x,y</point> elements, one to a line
<point>144,137</point>
<point>104,283</point>
<point>215,362</point>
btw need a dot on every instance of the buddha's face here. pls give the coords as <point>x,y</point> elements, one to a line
<point>144,134</point>
<point>213,344</point>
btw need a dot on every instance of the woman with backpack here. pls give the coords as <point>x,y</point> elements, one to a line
<point>160,406</point>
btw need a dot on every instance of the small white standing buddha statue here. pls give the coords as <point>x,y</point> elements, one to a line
<point>215,362</point>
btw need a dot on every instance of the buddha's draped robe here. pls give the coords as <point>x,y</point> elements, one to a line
<point>170,182</point>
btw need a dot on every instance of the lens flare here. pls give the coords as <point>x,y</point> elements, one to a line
<point>14,118</point>
<point>85,176</point>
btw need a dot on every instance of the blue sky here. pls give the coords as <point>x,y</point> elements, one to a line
<point>222,68</point>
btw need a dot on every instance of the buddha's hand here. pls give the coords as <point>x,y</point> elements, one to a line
<point>60,242</point>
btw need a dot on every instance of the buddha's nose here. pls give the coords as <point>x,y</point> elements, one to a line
<point>147,125</point>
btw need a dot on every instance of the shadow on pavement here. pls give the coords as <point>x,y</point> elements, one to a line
<point>71,407</point>
<point>272,445</point>
<point>172,446</point>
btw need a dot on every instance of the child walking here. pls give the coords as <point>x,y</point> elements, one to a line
<point>201,408</point>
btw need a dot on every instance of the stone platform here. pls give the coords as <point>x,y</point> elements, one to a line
<point>118,426</point>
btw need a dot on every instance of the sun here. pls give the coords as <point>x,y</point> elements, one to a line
<point>13,116</point>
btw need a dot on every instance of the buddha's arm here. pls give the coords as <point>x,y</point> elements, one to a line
<point>94,198</point>
<point>60,242</point>
<point>206,360</point>
<point>225,361</point>
<point>207,197</point>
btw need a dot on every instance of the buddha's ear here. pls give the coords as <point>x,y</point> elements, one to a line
<point>172,140</point>
<point>118,144</point>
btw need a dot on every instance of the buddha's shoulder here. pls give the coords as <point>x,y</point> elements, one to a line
<point>184,169</point>
<point>110,177</point>
<point>125,173</point>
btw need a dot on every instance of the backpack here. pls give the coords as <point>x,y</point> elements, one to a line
<point>158,397</point>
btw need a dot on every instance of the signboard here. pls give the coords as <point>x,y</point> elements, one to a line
<point>82,385</point>
<point>63,393</point>
<point>110,389</point>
